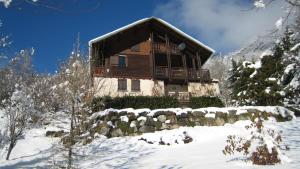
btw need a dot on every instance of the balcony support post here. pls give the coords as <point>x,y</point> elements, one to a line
<point>198,60</point>
<point>184,67</point>
<point>152,57</point>
<point>168,56</point>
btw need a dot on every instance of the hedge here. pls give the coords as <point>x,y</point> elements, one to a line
<point>135,102</point>
<point>205,101</point>
<point>150,102</point>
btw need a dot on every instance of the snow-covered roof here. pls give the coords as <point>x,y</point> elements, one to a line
<point>146,20</point>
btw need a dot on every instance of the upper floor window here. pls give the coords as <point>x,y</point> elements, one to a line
<point>135,48</point>
<point>122,61</point>
<point>135,85</point>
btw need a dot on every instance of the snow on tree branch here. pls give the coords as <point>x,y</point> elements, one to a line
<point>6,3</point>
<point>259,4</point>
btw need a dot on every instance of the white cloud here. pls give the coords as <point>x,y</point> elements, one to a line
<point>222,24</point>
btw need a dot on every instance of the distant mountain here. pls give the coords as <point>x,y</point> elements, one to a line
<point>253,50</point>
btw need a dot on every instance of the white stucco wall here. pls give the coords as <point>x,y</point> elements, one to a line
<point>109,87</point>
<point>204,89</point>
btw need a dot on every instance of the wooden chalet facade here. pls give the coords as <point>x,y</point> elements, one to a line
<point>150,57</point>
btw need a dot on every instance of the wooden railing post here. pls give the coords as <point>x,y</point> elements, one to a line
<point>168,56</point>
<point>152,57</point>
<point>184,67</point>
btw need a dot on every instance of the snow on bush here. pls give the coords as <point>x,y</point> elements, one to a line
<point>262,146</point>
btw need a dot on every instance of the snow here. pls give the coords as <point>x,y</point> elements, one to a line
<point>133,124</point>
<point>256,65</point>
<point>210,115</point>
<point>295,47</point>
<point>259,4</point>
<point>142,118</point>
<point>271,79</point>
<point>267,52</point>
<point>208,110</point>
<point>289,68</point>
<point>124,118</point>
<point>146,20</point>
<point>6,3</point>
<point>279,23</point>
<point>253,74</point>
<point>129,152</point>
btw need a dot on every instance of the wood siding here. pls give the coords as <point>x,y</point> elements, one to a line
<point>159,57</point>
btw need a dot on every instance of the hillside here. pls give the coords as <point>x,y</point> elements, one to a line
<point>129,152</point>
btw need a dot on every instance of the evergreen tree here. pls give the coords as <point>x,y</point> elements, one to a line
<point>267,81</point>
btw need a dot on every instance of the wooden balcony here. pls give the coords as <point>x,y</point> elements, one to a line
<point>163,48</point>
<point>180,73</point>
<point>99,71</point>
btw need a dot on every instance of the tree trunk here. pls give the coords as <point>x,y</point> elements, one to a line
<point>11,146</point>
<point>71,136</point>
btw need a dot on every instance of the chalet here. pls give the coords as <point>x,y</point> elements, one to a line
<point>150,57</point>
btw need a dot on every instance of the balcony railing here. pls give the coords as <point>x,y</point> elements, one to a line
<point>180,73</point>
<point>163,48</point>
<point>161,72</point>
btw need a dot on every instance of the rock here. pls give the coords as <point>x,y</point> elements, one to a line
<point>131,116</point>
<point>102,128</point>
<point>219,121</point>
<point>55,133</point>
<point>174,126</point>
<point>116,133</point>
<point>87,141</point>
<point>158,125</point>
<point>232,117</point>
<point>164,126</point>
<point>232,111</point>
<point>187,139</point>
<point>245,116</point>
<point>146,129</point>
<point>158,113</point>
<point>172,118</point>
<point>198,113</point>
<point>162,118</point>
<point>253,111</point>
<point>150,121</point>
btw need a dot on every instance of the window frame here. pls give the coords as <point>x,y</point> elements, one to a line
<point>125,61</point>
<point>135,85</point>
<point>122,84</point>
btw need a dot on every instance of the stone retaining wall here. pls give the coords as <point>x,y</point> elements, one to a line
<point>130,122</point>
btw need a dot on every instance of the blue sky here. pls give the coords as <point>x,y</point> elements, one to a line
<point>52,32</point>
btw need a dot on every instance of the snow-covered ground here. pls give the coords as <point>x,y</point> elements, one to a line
<point>205,151</point>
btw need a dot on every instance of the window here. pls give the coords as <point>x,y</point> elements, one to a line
<point>135,85</point>
<point>122,84</point>
<point>114,60</point>
<point>135,48</point>
<point>122,61</point>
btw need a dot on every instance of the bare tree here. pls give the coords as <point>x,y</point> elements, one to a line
<point>73,88</point>
<point>18,109</point>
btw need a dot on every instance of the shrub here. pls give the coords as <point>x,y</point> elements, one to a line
<point>262,147</point>
<point>135,102</point>
<point>99,103</point>
<point>205,101</point>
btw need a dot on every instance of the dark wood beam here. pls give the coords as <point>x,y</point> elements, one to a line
<point>168,56</point>
<point>152,57</point>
